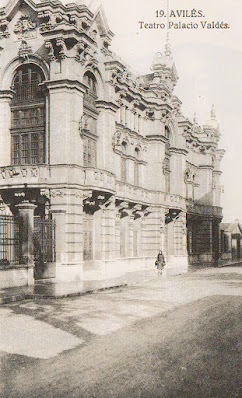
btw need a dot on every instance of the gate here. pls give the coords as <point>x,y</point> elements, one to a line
<point>10,246</point>
<point>44,248</point>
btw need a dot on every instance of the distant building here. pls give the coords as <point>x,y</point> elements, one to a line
<point>101,165</point>
<point>231,241</point>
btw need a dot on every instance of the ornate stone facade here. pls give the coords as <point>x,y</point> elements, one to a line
<point>107,153</point>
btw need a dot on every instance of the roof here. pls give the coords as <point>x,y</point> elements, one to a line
<point>233,228</point>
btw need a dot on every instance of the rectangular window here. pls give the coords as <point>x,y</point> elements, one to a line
<point>28,148</point>
<point>15,149</point>
<point>89,152</point>
<point>123,169</point>
<point>34,148</point>
<point>25,149</point>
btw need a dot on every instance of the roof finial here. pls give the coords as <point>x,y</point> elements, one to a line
<point>168,46</point>
<point>168,43</point>
<point>213,113</point>
<point>195,121</point>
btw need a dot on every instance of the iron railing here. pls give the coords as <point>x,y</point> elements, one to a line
<point>10,245</point>
<point>27,92</point>
<point>44,241</point>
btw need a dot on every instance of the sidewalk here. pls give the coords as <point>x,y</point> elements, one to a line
<point>56,290</point>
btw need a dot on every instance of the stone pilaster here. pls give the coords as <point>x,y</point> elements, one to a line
<point>5,124</point>
<point>26,212</point>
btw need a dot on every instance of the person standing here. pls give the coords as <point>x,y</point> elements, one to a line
<point>160,262</point>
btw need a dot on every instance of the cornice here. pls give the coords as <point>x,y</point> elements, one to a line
<point>102,104</point>
<point>132,133</point>
<point>206,167</point>
<point>6,94</point>
<point>181,151</point>
<point>160,138</point>
<point>64,83</point>
<point>218,172</point>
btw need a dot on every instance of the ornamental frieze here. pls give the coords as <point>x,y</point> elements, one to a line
<point>133,141</point>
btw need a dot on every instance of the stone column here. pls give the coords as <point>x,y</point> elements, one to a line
<point>26,212</point>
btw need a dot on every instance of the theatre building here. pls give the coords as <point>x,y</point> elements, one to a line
<point>99,168</point>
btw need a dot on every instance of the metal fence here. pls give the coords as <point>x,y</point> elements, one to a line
<point>10,246</point>
<point>44,240</point>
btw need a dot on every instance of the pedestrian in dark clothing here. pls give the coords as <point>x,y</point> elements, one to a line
<point>160,262</point>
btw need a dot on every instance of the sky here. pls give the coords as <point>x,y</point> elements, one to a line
<point>209,65</point>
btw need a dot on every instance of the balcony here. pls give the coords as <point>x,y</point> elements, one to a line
<point>204,210</point>
<point>27,92</point>
<point>99,180</point>
<point>26,174</point>
<point>144,196</point>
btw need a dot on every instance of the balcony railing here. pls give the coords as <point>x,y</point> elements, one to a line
<point>99,179</point>
<point>142,195</point>
<point>27,92</point>
<point>12,175</point>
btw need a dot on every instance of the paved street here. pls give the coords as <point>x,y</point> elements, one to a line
<point>161,337</point>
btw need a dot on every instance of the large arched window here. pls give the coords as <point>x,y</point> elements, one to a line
<point>28,116</point>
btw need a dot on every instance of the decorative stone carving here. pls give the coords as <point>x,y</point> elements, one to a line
<point>166,165</point>
<point>190,175</point>
<point>45,192</point>
<point>50,49</point>
<point>86,55</point>
<point>25,28</point>
<point>47,21</point>
<point>80,47</point>
<point>61,47</point>
<point>15,172</point>
<point>4,33</point>
<point>24,51</point>
<point>57,192</point>
<point>86,195</point>
<point>116,141</point>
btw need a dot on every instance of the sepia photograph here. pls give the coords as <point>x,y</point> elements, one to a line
<point>120,198</point>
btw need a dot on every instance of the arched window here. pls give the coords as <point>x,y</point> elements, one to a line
<point>91,95</point>
<point>28,116</point>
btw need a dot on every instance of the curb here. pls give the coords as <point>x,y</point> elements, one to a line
<point>28,296</point>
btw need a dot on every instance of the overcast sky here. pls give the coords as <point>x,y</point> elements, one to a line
<point>209,65</point>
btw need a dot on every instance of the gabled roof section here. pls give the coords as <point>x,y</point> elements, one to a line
<point>102,23</point>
